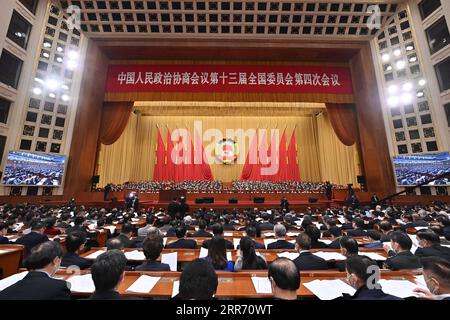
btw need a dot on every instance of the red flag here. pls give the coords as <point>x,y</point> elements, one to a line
<point>294,174</point>
<point>160,173</point>
<point>250,160</point>
<point>170,165</point>
<point>282,159</point>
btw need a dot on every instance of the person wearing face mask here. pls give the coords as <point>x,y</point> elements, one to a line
<point>430,245</point>
<point>399,251</point>
<point>436,272</point>
<point>358,274</point>
<point>39,284</point>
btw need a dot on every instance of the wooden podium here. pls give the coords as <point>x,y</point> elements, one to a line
<point>168,195</point>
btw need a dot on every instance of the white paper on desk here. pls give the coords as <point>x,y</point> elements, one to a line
<point>269,234</point>
<point>112,229</point>
<point>399,221</point>
<point>228,234</point>
<point>9,281</point>
<point>329,255</point>
<point>171,259</point>
<point>236,242</point>
<point>398,288</point>
<point>144,284</point>
<point>26,231</point>
<point>374,256</point>
<point>91,226</point>
<point>95,254</point>
<point>269,241</point>
<point>292,234</point>
<point>135,255</point>
<point>10,237</point>
<point>341,220</point>
<point>420,228</point>
<point>326,241</point>
<point>108,214</point>
<point>3,251</point>
<point>292,241</point>
<point>229,256</point>
<point>420,281</point>
<point>299,222</point>
<point>175,288</point>
<point>329,289</point>
<point>262,285</point>
<point>164,241</point>
<point>135,219</point>
<point>289,255</point>
<point>83,284</point>
<point>203,252</point>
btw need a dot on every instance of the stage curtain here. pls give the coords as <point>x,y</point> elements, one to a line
<point>343,120</point>
<point>133,155</point>
<point>114,120</point>
<point>293,174</point>
<point>338,163</point>
<point>160,173</point>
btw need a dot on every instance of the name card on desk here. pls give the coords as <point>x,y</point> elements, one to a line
<point>262,285</point>
<point>82,284</point>
<point>95,254</point>
<point>171,259</point>
<point>329,289</point>
<point>144,284</point>
<point>329,255</point>
<point>9,281</point>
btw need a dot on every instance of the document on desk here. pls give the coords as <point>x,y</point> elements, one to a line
<point>228,234</point>
<point>329,289</point>
<point>175,288</point>
<point>82,284</point>
<point>329,255</point>
<point>135,255</point>
<point>9,281</point>
<point>229,256</point>
<point>298,222</point>
<point>144,284</point>
<point>95,254</point>
<point>398,288</point>
<point>269,234</point>
<point>171,259</point>
<point>164,241</point>
<point>236,242</point>
<point>269,241</point>
<point>289,255</point>
<point>292,234</point>
<point>4,251</point>
<point>112,229</point>
<point>326,241</point>
<point>374,256</point>
<point>203,252</point>
<point>262,284</point>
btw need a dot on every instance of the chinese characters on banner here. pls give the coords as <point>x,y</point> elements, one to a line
<point>228,78</point>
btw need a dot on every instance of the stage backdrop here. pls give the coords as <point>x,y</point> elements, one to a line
<point>321,155</point>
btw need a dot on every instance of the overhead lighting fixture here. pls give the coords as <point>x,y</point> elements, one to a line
<point>73,55</point>
<point>59,59</point>
<point>409,48</point>
<point>389,68</point>
<point>400,65</point>
<point>59,49</point>
<point>47,44</point>
<point>45,55</point>
<point>407,98</point>
<point>52,95</point>
<point>413,59</point>
<point>393,89</point>
<point>65,87</point>
<point>52,84</point>
<point>37,91</point>
<point>420,94</point>
<point>385,57</point>
<point>407,86</point>
<point>397,52</point>
<point>65,97</point>
<point>392,101</point>
<point>38,80</point>
<point>71,65</point>
<point>422,82</point>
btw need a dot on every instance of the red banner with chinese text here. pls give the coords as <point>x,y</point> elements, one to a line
<point>229,78</point>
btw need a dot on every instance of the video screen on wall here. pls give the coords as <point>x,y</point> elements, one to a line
<point>417,169</point>
<point>33,169</point>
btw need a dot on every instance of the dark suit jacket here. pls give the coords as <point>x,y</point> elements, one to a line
<point>126,242</point>
<point>182,244</point>
<point>281,244</point>
<point>308,261</point>
<point>266,226</point>
<point>4,240</point>
<point>435,250</point>
<point>31,240</point>
<point>403,260</point>
<point>257,245</point>
<point>153,266</point>
<point>173,208</point>
<point>318,245</point>
<point>358,232</point>
<point>201,233</point>
<point>365,293</point>
<point>72,259</point>
<point>229,244</point>
<point>37,286</point>
<point>335,244</point>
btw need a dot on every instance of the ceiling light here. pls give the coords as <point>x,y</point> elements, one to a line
<point>73,55</point>
<point>37,91</point>
<point>385,57</point>
<point>52,84</point>
<point>65,97</point>
<point>422,82</point>
<point>59,49</point>
<point>407,98</point>
<point>400,64</point>
<point>409,48</point>
<point>393,89</point>
<point>52,95</point>
<point>71,65</point>
<point>407,86</point>
<point>47,44</point>
<point>413,59</point>
<point>397,52</point>
<point>392,101</point>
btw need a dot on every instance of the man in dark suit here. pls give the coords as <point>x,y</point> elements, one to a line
<point>358,277</point>
<point>42,263</point>
<point>183,207</point>
<point>408,222</point>
<point>251,232</point>
<point>374,201</point>
<point>173,208</point>
<point>349,248</point>
<point>217,231</point>
<point>182,242</point>
<point>284,204</point>
<point>336,234</point>
<point>75,242</point>
<point>107,273</point>
<point>436,272</point>
<point>358,228</point>
<point>152,250</point>
<point>386,230</point>
<point>35,237</point>
<point>430,245</point>
<point>265,225</point>
<point>284,278</point>
<point>314,234</point>
<point>3,231</point>
<point>201,233</point>
<point>401,256</point>
<point>306,260</point>
<point>125,236</point>
<point>281,243</point>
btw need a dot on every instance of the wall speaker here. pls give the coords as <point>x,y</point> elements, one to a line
<point>233,200</point>
<point>258,200</point>
<point>312,200</point>
<point>95,179</point>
